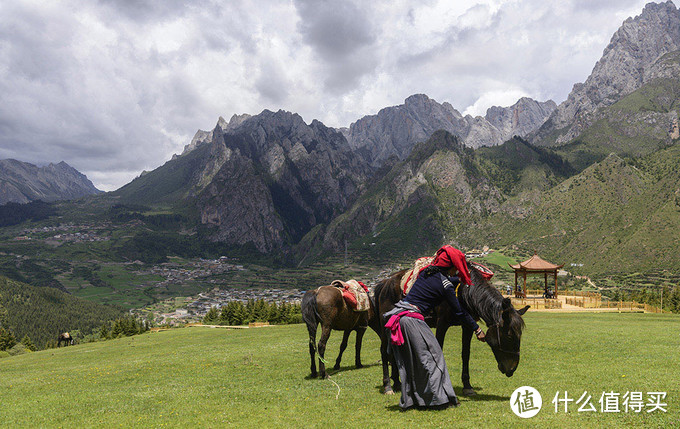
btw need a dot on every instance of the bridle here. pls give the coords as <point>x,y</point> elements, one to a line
<point>500,348</point>
<point>498,329</point>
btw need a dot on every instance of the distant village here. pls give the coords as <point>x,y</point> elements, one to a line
<point>67,233</point>
<point>203,302</point>
<point>176,273</point>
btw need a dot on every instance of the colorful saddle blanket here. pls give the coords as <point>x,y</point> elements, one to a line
<point>410,276</point>
<point>421,263</point>
<point>355,294</point>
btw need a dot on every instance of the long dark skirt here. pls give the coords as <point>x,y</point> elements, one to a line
<point>425,380</point>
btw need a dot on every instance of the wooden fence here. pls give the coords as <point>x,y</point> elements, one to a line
<point>583,299</point>
<point>537,303</point>
<point>580,293</point>
<point>619,305</point>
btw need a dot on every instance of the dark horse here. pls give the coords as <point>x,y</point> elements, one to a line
<point>326,305</point>
<point>482,301</point>
<point>66,338</point>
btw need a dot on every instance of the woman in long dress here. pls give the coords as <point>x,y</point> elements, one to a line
<point>425,380</point>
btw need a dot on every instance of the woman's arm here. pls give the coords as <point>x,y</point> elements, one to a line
<point>452,299</point>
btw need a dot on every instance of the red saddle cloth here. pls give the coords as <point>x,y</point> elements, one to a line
<point>355,294</point>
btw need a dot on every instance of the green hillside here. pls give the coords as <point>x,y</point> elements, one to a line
<point>401,214</point>
<point>258,378</point>
<point>168,184</point>
<point>443,192</point>
<point>612,217</point>
<point>43,313</point>
<point>517,166</point>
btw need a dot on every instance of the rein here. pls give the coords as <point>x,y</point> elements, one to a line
<point>496,325</point>
<point>498,332</point>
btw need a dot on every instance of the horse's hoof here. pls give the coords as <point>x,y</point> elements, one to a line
<point>359,365</point>
<point>469,392</point>
<point>389,391</point>
<point>397,387</point>
<point>336,366</point>
<point>313,375</point>
<point>324,376</point>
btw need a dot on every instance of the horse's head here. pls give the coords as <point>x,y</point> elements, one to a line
<point>504,337</point>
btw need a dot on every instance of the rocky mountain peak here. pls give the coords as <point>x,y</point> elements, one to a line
<point>625,62</point>
<point>521,118</point>
<point>236,120</point>
<point>222,123</point>
<point>395,130</point>
<point>21,182</point>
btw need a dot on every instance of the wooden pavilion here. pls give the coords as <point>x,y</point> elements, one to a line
<point>534,265</point>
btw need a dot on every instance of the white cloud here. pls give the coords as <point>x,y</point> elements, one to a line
<point>506,97</point>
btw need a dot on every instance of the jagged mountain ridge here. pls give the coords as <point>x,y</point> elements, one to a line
<point>249,155</point>
<point>255,158</point>
<point>262,180</point>
<point>393,131</point>
<point>22,182</point>
<point>639,123</point>
<point>438,194</point>
<point>624,67</point>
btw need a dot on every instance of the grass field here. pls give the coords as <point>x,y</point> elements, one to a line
<point>258,377</point>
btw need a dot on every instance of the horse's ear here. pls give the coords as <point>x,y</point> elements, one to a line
<point>523,310</point>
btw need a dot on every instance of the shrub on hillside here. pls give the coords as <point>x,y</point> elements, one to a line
<point>18,349</point>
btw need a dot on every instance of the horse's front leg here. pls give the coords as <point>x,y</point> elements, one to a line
<point>357,347</point>
<point>396,382</point>
<point>465,355</point>
<point>442,328</point>
<point>321,349</point>
<point>343,346</point>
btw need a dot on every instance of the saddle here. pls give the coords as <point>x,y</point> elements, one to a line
<point>355,294</point>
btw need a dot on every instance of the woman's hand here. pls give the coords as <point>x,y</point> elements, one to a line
<point>481,336</point>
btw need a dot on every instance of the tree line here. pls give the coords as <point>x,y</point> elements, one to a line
<point>15,213</point>
<point>671,297</point>
<point>238,313</point>
<point>43,313</point>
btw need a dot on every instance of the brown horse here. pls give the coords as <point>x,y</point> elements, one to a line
<point>66,338</point>
<point>326,305</point>
<point>482,301</point>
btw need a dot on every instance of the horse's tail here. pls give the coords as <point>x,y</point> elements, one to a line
<point>309,313</point>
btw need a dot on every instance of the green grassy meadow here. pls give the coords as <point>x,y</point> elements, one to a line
<point>258,377</point>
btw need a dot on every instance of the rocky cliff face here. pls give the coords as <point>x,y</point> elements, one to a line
<point>395,130</point>
<point>21,182</point>
<point>433,194</point>
<point>624,67</point>
<point>272,178</point>
<point>520,119</point>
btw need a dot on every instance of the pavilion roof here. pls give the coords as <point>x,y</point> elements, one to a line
<point>536,263</point>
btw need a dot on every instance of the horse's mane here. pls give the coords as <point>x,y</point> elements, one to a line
<point>485,300</point>
<point>389,287</point>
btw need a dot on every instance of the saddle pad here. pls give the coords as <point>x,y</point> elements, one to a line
<point>410,276</point>
<point>484,271</point>
<point>355,294</point>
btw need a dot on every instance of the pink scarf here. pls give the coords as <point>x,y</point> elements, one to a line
<point>395,327</point>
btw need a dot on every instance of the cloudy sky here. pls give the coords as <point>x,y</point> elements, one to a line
<point>117,87</point>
